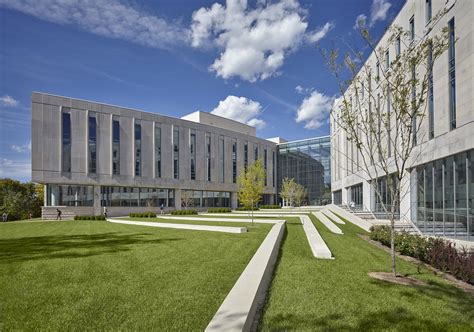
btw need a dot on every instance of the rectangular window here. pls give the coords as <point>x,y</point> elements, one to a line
<point>234,161</point>
<point>157,151</point>
<point>412,28</point>
<point>377,71</point>
<point>115,147</point>
<point>66,142</point>
<point>92,144</point>
<point>221,160</point>
<point>398,46</point>
<point>387,59</point>
<point>208,157</point>
<point>246,155</point>
<point>430,92</point>
<point>256,152</point>
<point>175,152</point>
<point>192,153</point>
<point>265,164</point>
<point>452,75</point>
<point>138,149</point>
<point>413,100</point>
<point>273,168</point>
<point>428,11</point>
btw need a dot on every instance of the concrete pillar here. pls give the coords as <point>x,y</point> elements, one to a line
<point>97,209</point>
<point>406,193</point>
<point>233,200</point>
<point>367,197</point>
<point>177,199</point>
<point>344,196</point>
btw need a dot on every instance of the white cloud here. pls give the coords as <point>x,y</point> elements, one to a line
<point>299,89</point>
<point>240,109</point>
<point>360,21</point>
<point>21,148</point>
<point>254,41</point>
<point>378,12</point>
<point>321,33</point>
<point>8,101</point>
<point>314,110</point>
<point>108,18</point>
<point>16,169</point>
<point>302,90</point>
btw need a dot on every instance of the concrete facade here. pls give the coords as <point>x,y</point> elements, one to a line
<point>47,149</point>
<point>446,143</point>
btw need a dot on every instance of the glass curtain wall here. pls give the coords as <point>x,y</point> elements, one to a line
<point>66,141</point>
<point>92,143</point>
<point>116,147</point>
<point>175,152</point>
<point>384,195</point>
<point>192,153</point>
<point>131,196</point>
<point>157,151</point>
<point>357,196</point>
<point>138,149</point>
<point>234,161</point>
<point>337,197</point>
<point>200,198</point>
<point>66,195</point>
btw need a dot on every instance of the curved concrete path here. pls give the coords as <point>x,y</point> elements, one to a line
<point>328,223</point>
<point>318,247</point>
<point>239,309</point>
<point>241,220</point>
<point>222,229</point>
<point>335,218</point>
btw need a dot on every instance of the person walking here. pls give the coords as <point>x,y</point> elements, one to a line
<point>161,209</point>
<point>105,212</point>
<point>58,216</point>
<point>4,217</point>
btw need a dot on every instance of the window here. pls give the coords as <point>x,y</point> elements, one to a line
<point>398,46</point>
<point>138,149</point>
<point>192,153</point>
<point>265,164</point>
<point>115,147</point>
<point>234,161</point>
<point>256,152</point>
<point>273,168</point>
<point>387,59</point>
<point>430,92</point>
<point>377,71</point>
<point>246,155</point>
<point>208,157</point>
<point>157,151</point>
<point>128,196</point>
<point>92,144</point>
<point>66,195</point>
<point>412,28</point>
<point>413,100</point>
<point>221,159</point>
<point>66,142</point>
<point>175,152</point>
<point>452,75</point>
<point>428,11</point>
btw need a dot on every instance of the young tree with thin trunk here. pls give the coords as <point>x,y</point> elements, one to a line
<point>251,185</point>
<point>382,110</point>
<point>288,190</point>
<point>301,194</point>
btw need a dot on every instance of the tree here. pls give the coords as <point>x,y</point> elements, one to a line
<point>381,110</point>
<point>288,190</point>
<point>251,185</point>
<point>18,199</point>
<point>186,199</point>
<point>301,194</point>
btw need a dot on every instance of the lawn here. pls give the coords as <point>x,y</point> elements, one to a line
<point>95,275</point>
<point>311,294</point>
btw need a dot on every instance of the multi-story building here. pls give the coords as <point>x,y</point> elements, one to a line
<point>439,197</point>
<point>91,155</point>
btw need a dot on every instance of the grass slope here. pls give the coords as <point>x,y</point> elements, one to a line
<point>311,294</point>
<point>96,275</point>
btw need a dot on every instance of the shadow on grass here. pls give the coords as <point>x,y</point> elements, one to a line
<point>71,246</point>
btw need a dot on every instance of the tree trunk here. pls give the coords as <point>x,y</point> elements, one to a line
<point>392,245</point>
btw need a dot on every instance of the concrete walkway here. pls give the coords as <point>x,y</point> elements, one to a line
<point>222,229</point>
<point>247,220</point>
<point>328,223</point>
<point>239,309</point>
<point>335,218</point>
<point>364,224</point>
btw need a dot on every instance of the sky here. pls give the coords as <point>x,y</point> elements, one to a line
<point>257,62</point>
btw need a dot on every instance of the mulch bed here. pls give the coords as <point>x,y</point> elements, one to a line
<point>468,288</point>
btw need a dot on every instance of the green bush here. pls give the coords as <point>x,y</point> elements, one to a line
<point>98,217</point>
<point>270,206</point>
<point>437,252</point>
<point>183,212</point>
<point>244,208</point>
<point>142,215</point>
<point>219,210</point>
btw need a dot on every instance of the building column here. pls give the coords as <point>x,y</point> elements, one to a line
<point>233,200</point>
<point>344,198</point>
<point>97,209</point>
<point>177,199</point>
<point>367,196</point>
<point>407,194</point>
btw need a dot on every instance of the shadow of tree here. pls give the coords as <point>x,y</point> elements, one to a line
<point>72,246</point>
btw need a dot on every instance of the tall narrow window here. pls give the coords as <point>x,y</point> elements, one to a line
<point>246,155</point>
<point>387,59</point>
<point>256,152</point>
<point>273,168</point>
<point>208,157</point>
<point>115,147</point>
<point>138,149</point>
<point>92,144</point>
<point>66,142</point>
<point>430,92</point>
<point>452,75</point>
<point>428,10</point>
<point>221,160</point>
<point>192,153</point>
<point>265,164</point>
<point>377,71</point>
<point>413,101</point>
<point>176,152</point>
<point>412,28</point>
<point>234,161</point>
<point>398,46</point>
<point>157,151</point>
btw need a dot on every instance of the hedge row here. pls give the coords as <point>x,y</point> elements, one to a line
<point>270,206</point>
<point>99,217</point>
<point>244,208</point>
<point>183,212</point>
<point>219,210</point>
<point>142,215</point>
<point>437,252</point>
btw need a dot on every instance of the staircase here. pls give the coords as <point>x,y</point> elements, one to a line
<point>50,213</point>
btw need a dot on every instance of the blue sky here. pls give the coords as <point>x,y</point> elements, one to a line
<point>255,62</point>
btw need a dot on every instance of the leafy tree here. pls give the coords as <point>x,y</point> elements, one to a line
<point>18,199</point>
<point>381,111</point>
<point>251,185</point>
<point>301,194</point>
<point>288,190</point>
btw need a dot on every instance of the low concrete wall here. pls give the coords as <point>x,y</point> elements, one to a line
<point>335,218</point>
<point>328,223</point>
<point>365,225</point>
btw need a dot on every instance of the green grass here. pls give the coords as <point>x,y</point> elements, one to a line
<point>96,275</point>
<point>312,294</point>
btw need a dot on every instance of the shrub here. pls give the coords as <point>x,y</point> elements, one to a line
<point>219,210</point>
<point>244,208</point>
<point>437,252</point>
<point>98,217</point>
<point>183,212</point>
<point>142,215</point>
<point>270,206</point>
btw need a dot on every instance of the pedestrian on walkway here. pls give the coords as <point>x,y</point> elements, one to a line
<point>58,216</point>
<point>105,212</point>
<point>4,217</point>
<point>161,209</point>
